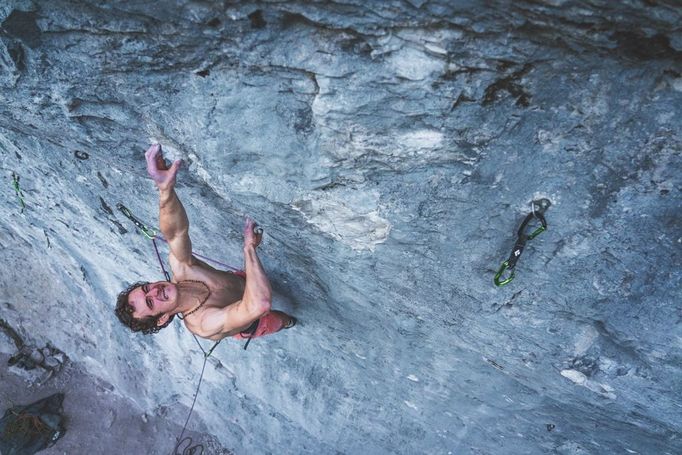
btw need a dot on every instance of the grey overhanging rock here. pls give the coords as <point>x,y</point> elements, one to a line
<point>390,150</point>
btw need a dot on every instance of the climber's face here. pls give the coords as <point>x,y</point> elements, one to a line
<point>153,299</point>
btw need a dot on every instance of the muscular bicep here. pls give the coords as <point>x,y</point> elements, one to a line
<point>218,321</point>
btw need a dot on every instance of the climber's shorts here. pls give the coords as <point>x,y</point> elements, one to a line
<point>270,323</point>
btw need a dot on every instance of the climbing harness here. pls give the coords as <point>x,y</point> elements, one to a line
<point>250,332</point>
<point>538,209</point>
<point>17,189</point>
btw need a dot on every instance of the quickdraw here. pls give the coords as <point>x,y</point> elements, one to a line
<point>538,209</point>
<point>148,232</point>
<point>17,189</point>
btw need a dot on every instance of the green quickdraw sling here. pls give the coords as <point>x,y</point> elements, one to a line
<point>17,190</point>
<point>538,209</point>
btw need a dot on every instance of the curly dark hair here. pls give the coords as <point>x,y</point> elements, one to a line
<point>124,311</point>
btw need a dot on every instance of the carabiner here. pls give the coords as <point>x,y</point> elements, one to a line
<point>538,231</point>
<point>522,238</point>
<point>148,232</point>
<point>503,267</point>
<point>124,210</point>
<point>542,228</point>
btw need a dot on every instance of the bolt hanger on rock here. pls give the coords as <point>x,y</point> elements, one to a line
<point>538,208</point>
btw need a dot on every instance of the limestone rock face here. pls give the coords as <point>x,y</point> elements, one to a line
<point>390,150</point>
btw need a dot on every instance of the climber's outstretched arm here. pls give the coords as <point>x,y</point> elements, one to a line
<point>172,216</point>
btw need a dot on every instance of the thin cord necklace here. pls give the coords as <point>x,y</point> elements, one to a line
<point>184,315</point>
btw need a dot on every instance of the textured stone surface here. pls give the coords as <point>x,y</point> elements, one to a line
<point>390,150</point>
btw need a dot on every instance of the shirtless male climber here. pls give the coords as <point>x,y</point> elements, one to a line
<point>213,304</point>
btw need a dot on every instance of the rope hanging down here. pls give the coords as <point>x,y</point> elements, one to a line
<point>538,209</point>
<point>190,449</point>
